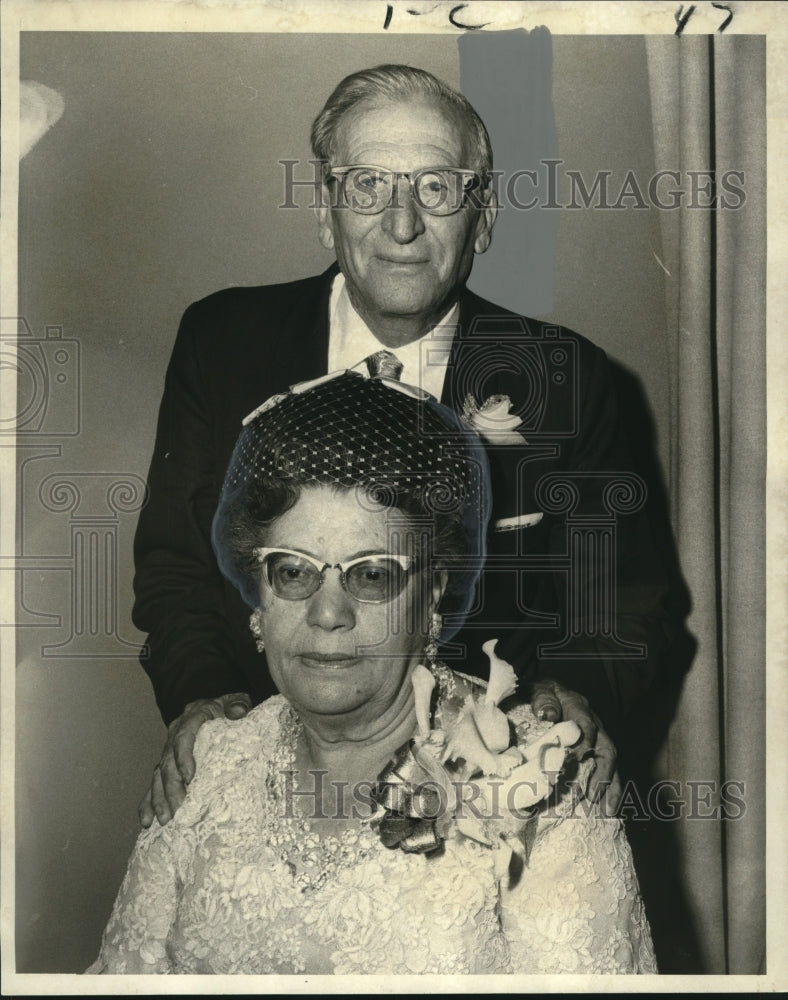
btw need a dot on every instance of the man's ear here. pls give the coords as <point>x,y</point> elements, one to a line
<point>485,223</point>
<point>325,223</point>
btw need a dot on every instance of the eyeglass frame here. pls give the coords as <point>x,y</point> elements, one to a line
<point>340,174</point>
<point>409,564</point>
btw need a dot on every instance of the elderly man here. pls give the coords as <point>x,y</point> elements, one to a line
<point>407,202</point>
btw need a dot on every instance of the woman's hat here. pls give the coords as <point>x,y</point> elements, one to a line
<point>362,428</point>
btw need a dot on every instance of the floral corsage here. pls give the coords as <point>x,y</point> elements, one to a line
<point>492,419</point>
<point>469,772</point>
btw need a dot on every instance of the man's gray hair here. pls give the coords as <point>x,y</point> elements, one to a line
<point>397,83</point>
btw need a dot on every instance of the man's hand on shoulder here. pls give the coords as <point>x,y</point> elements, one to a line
<point>176,768</point>
<point>553,702</point>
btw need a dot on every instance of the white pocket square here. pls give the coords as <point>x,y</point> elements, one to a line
<point>518,521</point>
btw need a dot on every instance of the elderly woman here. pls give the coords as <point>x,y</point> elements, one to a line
<point>381,814</point>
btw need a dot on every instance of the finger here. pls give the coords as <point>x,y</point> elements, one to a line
<point>237,706</point>
<point>604,784</point>
<point>159,800</point>
<point>575,709</point>
<point>173,785</point>
<point>605,757</point>
<point>183,733</point>
<point>545,704</point>
<point>182,746</point>
<point>145,810</point>
<point>607,793</point>
<point>613,795</point>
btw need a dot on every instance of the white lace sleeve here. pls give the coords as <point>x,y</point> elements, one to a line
<point>576,907</point>
<point>139,936</point>
<point>135,938</point>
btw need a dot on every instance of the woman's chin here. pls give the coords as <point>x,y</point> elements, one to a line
<point>325,690</point>
<point>329,680</point>
<point>333,690</point>
<point>332,705</point>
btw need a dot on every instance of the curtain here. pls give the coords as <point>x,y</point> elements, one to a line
<point>708,110</point>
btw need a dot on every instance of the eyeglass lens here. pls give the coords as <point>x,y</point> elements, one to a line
<point>440,192</point>
<point>372,580</point>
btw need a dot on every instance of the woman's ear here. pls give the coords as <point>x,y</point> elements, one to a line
<point>439,581</point>
<point>256,628</point>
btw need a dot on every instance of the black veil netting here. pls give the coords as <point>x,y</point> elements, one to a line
<point>394,442</point>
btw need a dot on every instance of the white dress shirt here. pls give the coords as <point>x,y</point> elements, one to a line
<point>350,340</point>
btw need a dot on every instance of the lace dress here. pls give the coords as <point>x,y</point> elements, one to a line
<point>233,885</point>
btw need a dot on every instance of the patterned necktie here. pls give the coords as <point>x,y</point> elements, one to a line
<point>384,364</point>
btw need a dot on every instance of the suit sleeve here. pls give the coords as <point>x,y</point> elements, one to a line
<point>595,665</point>
<point>179,591</point>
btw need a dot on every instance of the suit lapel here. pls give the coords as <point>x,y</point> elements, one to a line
<point>463,366</point>
<point>302,346</point>
<point>485,341</point>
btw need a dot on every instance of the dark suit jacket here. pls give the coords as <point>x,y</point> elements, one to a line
<point>239,346</point>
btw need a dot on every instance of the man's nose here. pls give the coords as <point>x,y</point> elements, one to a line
<point>402,218</point>
<point>331,606</point>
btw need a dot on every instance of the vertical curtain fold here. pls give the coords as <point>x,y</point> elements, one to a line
<point>741,283</point>
<point>708,109</point>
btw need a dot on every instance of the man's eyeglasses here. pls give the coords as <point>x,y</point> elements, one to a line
<point>438,190</point>
<point>294,576</point>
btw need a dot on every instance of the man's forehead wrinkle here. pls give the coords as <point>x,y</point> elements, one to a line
<point>394,154</point>
<point>426,136</point>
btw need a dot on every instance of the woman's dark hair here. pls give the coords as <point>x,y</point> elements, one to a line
<point>350,432</point>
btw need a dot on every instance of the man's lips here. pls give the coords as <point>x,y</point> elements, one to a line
<point>402,261</point>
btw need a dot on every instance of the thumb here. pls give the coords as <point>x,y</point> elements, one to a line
<point>545,704</point>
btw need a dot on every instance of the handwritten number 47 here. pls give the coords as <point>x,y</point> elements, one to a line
<point>681,18</point>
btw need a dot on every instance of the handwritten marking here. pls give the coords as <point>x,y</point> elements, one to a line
<point>681,22</point>
<point>728,19</point>
<point>464,27</point>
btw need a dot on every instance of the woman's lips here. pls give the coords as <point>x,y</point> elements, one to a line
<point>330,660</point>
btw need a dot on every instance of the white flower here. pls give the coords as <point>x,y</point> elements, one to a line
<point>423,684</point>
<point>503,680</point>
<point>493,420</point>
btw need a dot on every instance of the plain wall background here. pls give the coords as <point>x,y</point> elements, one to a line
<point>159,185</point>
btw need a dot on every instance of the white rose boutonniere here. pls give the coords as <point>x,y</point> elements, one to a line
<point>493,420</point>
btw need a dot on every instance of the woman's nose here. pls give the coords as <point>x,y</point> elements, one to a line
<point>331,606</point>
<point>401,218</point>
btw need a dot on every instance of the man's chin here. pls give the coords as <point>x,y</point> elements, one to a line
<point>406,302</point>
